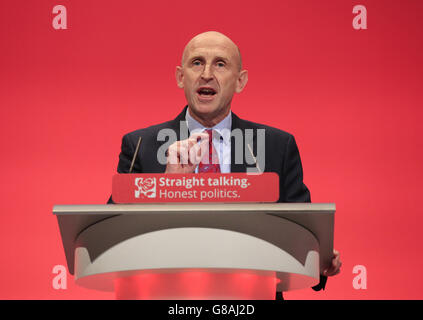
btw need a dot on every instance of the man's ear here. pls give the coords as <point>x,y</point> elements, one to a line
<point>242,81</point>
<point>179,77</point>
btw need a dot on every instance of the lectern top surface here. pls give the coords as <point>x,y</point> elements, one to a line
<point>195,207</point>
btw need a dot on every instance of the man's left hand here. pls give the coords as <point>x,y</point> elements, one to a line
<point>335,268</point>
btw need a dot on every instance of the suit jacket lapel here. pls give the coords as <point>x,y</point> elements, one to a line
<point>174,125</point>
<point>238,123</point>
<point>179,125</point>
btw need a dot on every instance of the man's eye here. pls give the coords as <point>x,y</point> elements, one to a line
<point>196,63</point>
<point>220,64</point>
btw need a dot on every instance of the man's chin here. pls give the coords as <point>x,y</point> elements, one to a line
<point>205,109</point>
<point>207,115</point>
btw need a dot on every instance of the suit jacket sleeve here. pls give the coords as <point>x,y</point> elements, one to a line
<point>292,185</point>
<point>125,158</point>
<point>294,188</point>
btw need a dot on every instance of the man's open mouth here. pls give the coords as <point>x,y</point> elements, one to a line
<point>206,92</point>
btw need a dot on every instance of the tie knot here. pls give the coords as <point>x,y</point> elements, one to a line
<point>210,133</point>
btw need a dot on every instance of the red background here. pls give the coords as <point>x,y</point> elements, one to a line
<point>352,99</point>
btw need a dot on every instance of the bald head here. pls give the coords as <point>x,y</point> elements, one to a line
<point>212,37</point>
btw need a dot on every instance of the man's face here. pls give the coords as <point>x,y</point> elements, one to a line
<point>210,75</point>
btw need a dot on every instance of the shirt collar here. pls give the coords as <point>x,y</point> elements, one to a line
<point>222,128</point>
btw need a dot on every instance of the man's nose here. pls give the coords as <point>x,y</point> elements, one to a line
<point>207,73</point>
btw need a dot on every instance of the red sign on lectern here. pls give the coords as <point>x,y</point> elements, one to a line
<point>204,187</point>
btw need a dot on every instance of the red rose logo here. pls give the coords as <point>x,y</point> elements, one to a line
<point>146,187</point>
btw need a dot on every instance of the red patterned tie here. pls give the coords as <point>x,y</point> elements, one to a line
<point>211,160</point>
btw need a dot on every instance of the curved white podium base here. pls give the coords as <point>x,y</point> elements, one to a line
<point>217,253</point>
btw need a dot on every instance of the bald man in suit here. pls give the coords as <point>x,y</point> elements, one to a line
<point>210,74</point>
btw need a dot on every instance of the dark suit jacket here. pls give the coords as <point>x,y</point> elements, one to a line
<point>281,156</point>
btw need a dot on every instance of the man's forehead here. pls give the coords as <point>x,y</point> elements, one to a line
<point>220,51</point>
<point>207,48</point>
<point>211,44</point>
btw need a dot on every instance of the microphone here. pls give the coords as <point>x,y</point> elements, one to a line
<point>135,154</point>
<point>254,158</point>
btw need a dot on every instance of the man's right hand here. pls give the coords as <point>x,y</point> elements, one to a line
<point>184,156</point>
